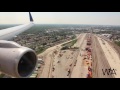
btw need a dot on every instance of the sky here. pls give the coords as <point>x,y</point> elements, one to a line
<point>96,18</point>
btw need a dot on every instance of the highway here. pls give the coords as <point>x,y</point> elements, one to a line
<point>111,55</point>
<point>64,66</point>
<point>80,71</point>
<point>105,57</point>
<point>82,63</point>
<point>99,60</point>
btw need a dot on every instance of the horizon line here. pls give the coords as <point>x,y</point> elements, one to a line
<point>66,24</point>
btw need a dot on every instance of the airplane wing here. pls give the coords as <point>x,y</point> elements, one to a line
<point>9,33</point>
<point>16,60</point>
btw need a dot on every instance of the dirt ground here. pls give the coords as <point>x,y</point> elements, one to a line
<point>65,63</point>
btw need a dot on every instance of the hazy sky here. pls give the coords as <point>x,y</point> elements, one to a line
<point>100,18</point>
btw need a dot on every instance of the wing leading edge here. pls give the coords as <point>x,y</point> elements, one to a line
<point>9,33</point>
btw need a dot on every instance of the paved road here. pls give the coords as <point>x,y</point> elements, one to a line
<point>66,63</point>
<point>111,55</point>
<point>70,63</point>
<point>80,71</point>
<point>48,57</point>
<point>99,60</point>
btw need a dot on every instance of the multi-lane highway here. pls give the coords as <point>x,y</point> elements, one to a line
<point>95,58</point>
<point>106,58</point>
<point>65,63</point>
<point>99,60</point>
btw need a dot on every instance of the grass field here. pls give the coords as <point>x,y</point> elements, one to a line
<point>69,44</point>
<point>118,43</point>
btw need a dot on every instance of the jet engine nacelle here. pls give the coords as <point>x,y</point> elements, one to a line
<point>15,60</point>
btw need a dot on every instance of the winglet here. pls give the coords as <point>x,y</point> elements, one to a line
<point>31,19</point>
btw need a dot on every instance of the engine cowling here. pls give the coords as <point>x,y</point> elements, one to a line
<point>15,60</point>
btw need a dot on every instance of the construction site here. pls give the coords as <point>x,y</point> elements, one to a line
<point>91,56</point>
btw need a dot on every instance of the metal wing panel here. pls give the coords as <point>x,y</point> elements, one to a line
<point>7,34</point>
